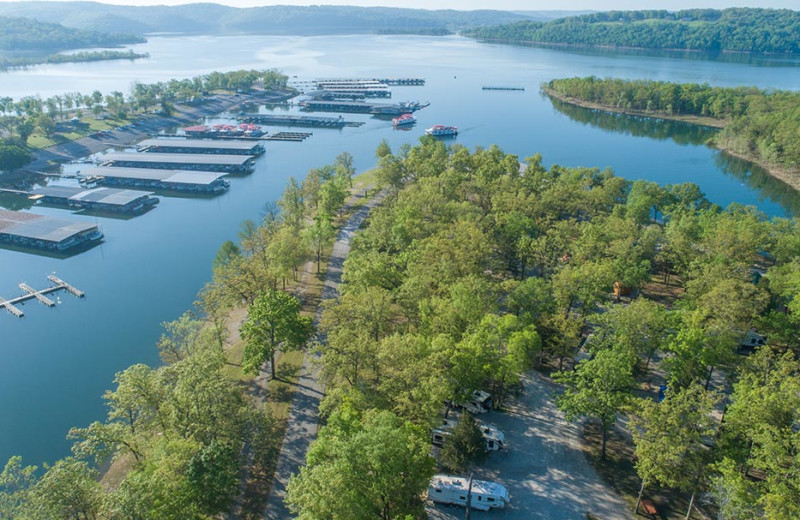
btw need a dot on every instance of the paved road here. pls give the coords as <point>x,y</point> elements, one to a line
<point>303,421</point>
<point>547,475</point>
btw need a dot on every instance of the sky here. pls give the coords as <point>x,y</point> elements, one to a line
<point>532,5</point>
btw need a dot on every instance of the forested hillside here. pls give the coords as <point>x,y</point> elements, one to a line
<point>218,19</point>
<point>734,30</point>
<point>23,34</point>
<point>758,124</point>
<point>473,270</point>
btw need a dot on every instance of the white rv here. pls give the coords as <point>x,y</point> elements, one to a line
<point>484,495</point>
<point>481,402</point>
<point>494,437</point>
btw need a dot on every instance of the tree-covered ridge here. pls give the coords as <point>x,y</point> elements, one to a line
<point>733,30</point>
<point>24,34</point>
<point>758,124</point>
<point>208,18</point>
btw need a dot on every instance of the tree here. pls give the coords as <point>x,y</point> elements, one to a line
<point>599,388</point>
<point>466,446</point>
<point>273,323</point>
<point>639,328</point>
<point>226,254</point>
<point>383,150</point>
<point>292,205</point>
<point>69,489</point>
<point>360,468</point>
<point>344,167</point>
<point>16,482</point>
<point>669,439</point>
<point>319,235</point>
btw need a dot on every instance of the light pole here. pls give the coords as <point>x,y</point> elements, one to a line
<point>469,496</point>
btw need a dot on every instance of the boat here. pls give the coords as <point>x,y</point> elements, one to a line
<point>442,131</point>
<point>404,120</point>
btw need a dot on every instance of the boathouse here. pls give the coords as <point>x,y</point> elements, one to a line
<point>30,230</point>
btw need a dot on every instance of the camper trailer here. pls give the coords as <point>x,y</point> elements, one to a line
<point>481,402</point>
<point>483,495</point>
<point>494,438</point>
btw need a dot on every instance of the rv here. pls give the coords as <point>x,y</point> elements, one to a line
<point>494,438</point>
<point>481,402</point>
<point>483,495</point>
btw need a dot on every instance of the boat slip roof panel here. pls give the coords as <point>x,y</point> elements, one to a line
<point>150,174</point>
<point>178,158</point>
<point>211,144</point>
<point>40,227</point>
<point>112,196</point>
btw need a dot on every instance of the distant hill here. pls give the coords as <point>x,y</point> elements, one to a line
<point>735,30</point>
<point>26,35</point>
<point>218,19</point>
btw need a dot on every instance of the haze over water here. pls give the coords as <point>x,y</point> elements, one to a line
<point>56,363</point>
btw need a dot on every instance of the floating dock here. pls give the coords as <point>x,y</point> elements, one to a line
<point>502,88</point>
<point>370,88</point>
<point>286,120</point>
<point>30,230</point>
<point>158,179</point>
<point>289,136</point>
<point>39,295</point>
<point>202,146</point>
<point>181,161</point>
<point>101,199</point>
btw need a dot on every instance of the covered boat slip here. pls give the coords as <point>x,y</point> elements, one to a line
<point>181,161</point>
<point>103,199</point>
<point>42,232</point>
<point>202,146</point>
<point>159,179</point>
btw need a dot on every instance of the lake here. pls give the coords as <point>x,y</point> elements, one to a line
<point>56,363</point>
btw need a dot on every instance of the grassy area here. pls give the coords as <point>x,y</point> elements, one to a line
<point>71,131</point>
<point>364,179</point>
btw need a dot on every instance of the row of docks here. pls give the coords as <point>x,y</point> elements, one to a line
<point>181,161</point>
<point>29,230</point>
<point>110,200</point>
<point>29,293</point>
<point>354,89</point>
<point>183,181</point>
<point>290,120</point>
<point>202,146</point>
<point>360,107</point>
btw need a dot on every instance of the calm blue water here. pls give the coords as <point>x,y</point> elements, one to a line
<point>56,363</point>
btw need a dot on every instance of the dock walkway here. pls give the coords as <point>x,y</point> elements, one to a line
<point>39,295</point>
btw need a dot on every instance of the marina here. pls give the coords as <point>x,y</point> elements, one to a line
<point>157,179</point>
<point>180,161</point>
<point>289,120</point>
<point>223,131</point>
<point>201,146</point>
<point>502,88</point>
<point>29,230</point>
<point>101,199</point>
<point>289,136</point>
<point>30,293</point>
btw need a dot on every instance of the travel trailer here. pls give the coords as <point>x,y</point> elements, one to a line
<point>495,440</point>
<point>483,496</point>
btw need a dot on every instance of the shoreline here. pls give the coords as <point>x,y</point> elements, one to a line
<point>46,158</point>
<point>789,176</point>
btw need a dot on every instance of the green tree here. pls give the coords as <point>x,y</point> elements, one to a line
<point>16,482</point>
<point>68,489</point>
<point>375,467</point>
<point>599,388</point>
<point>319,235</point>
<point>669,439</point>
<point>273,323</point>
<point>466,446</point>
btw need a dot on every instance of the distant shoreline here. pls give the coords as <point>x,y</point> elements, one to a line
<point>789,176</point>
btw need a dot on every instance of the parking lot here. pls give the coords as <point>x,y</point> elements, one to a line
<point>547,475</point>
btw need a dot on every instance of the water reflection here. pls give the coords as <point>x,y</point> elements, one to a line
<point>637,126</point>
<point>767,186</point>
<point>757,178</point>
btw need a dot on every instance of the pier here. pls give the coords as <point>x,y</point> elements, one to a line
<point>360,107</point>
<point>29,230</point>
<point>289,136</point>
<point>99,199</point>
<point>158,179</point>
<point>503,88</point>
<point>39,295</point>
<point>287,120</point>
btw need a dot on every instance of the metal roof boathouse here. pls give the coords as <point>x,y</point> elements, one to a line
<point>202,146</point>
<point>181,161</point>
<point>30,230</point>
<point>101,199</point>
<point>158,179</point>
